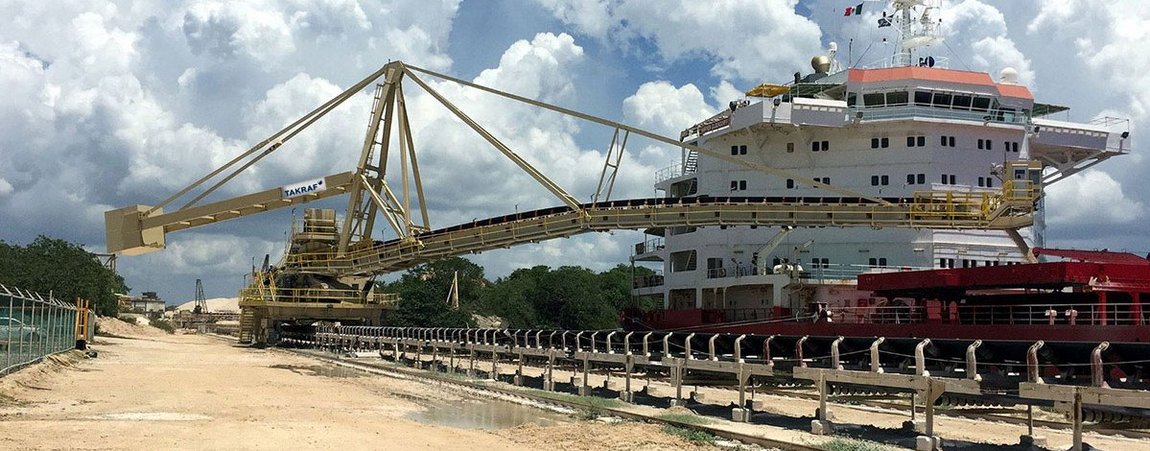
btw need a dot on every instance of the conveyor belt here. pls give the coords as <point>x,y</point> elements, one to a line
<point>945,210</point>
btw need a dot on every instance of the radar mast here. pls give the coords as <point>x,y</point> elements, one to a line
<point>918,25</point>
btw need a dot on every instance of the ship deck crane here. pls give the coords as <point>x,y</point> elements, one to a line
<point>329,270</point>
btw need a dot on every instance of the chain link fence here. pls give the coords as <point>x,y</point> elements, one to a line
<point>33,326</point>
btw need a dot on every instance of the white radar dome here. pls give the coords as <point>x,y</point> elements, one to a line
<point>1009,75</point>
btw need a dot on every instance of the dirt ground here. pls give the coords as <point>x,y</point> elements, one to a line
<point>199,392</point>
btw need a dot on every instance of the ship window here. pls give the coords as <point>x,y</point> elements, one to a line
<point>910,141</point>
<point>885,180</point>
<point>1006,114</point>
<point>942,100</point>
<point>820,145</point>
<point>885,142</point>
<point>980,104</point>
<point>946,141</point>
<point>943,179</point>
<point>962,102</point>
<point>921,179</point>
<point>790,183</point>
<point>738,185</point>
<point>981,181</point>
<point>874,143</point>
<point>922,98</point>
<point>942,141</point>
<point>734,150</point>
<point>823,263</point>
<point>824,180</point>
<point>981,143</point>
<point>921,140</point>
<point>742,150</point>
<point>910,179</point>
<point>874,180</point>
<point>896,98</point>
<point>951,140</point>
<point>989,182</point>
<point>953,180</point>
<point>874,99</point>
<point>851,99</point>
<point>790,147</point>
<point>989,145</point>
<point>877,262</point>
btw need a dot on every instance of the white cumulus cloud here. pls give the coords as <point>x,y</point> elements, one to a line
<point>750,40</point>
<point>1090,199</point>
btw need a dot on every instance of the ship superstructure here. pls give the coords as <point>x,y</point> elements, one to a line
<point>907,126</point>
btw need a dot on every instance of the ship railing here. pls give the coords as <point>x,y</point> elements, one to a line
<point>923,111</point>
<point>838,272</point>
<point>322,295</point>
<point>810,273</point>
<point>1111,314</point>
<point>651,245</point>
<point>756,314</point>
<point>669,172</point>
<point>940,62</point>
<point>890,314</point>
<point>652,280</point>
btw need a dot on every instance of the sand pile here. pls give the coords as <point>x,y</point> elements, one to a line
<point>121,328</point>
<point>218,305</point>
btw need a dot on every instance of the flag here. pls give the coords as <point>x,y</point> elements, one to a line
<point>854,10</point>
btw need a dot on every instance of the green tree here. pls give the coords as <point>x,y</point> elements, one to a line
<point>423,293</point>
<point>63,269</point>
<point>510,299</point>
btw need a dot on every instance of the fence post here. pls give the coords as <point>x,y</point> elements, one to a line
<point>8,348</point>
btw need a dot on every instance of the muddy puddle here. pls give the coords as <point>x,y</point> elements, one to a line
<point>483,414</point>
<point>321,370</point>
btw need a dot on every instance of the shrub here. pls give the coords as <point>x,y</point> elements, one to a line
<point>163,325</point>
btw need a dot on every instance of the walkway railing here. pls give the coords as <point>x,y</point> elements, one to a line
<point>33,326</point>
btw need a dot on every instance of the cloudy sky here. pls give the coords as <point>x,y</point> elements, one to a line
<point>111,103</point>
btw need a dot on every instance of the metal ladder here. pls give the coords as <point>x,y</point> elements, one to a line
<point>692,164</point>
<point>247,325</point>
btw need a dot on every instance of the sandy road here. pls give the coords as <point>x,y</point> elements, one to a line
<point>195,392</point>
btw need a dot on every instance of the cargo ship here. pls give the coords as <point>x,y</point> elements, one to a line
<point>906,124</point>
